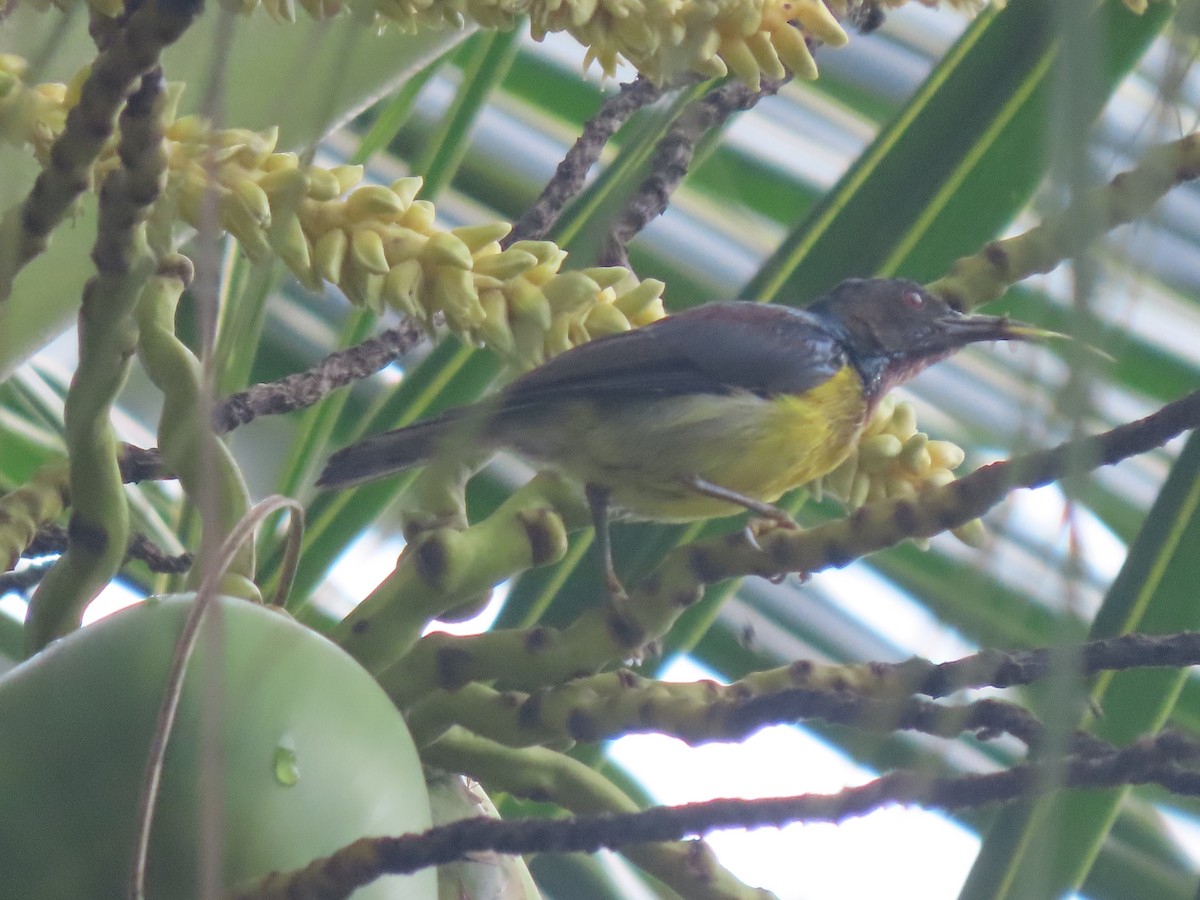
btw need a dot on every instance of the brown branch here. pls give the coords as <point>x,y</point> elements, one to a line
<point>987,718</point>
<point>1000,669</point>
<point>290,393</point>
<point>602,707</point>
<point>52,539</point>
<point>568,178</point>
<point>302,389</point>
<point>22,581</point>
<point>1154,760</point>
<point>673,157</point>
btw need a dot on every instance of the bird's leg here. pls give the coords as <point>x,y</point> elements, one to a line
<point>768,511</point>
<point>775,516</point>
<point>597,498</point>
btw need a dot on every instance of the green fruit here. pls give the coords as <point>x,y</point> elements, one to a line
<point>312,755</point>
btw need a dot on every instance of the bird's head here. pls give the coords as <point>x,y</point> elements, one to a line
<point>893,328</point>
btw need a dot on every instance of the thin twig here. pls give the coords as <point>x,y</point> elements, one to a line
<point>1155,760</point>
<point>289,394</point>
<point>52,539</point>
<point>986,718</point>
<point>302,389</point>
<point>568,178</point>
<point>19,582</point>
<point>673,158</point>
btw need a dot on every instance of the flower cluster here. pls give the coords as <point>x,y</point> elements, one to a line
<point>33,115</point>
<point>894,460</point>
<point>662,39</point>
<point>381,245</point>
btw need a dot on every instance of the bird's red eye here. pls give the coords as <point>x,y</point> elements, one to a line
<point>913,299</point>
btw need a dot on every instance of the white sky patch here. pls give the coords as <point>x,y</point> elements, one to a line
<point>1040,514</point>
<point>881,606</point>
<point>913,853</point>
<point>115,596</point>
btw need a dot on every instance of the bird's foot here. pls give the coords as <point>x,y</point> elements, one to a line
<point>616,590</point>
<point>756,528</point>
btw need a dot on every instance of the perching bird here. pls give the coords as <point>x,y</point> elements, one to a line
<point>704,413</point>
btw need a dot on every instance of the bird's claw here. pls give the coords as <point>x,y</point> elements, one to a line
<point>616,591</point>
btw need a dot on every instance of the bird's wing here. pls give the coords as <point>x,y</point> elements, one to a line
<point>718,348</point>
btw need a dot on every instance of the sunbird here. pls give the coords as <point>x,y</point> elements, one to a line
<point>708,412</point>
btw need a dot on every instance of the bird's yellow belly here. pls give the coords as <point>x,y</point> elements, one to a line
<point>759,447</point>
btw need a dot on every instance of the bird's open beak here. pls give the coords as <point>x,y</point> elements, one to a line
<point>957,331</point>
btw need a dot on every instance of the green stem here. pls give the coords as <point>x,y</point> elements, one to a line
<point>205,467</point>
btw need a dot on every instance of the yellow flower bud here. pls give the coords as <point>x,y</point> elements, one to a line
<point>711,67</point>
<point>904,421</point>
<point>477,237</point>
<point>973,533</point>
<point>186,129</point>
<point>545,252</point>
<point>406,189</point>
<point>882,418</point>
<point>876,453</point>
<point>915,457</point>
<point>323,184</point>
<point>13,65</point>
<point>604,318</point>
<point>495,330</point>
<point>817,20</point>
<point>400,243</point>
<point>636,302</point>
<point>609,276</point>
<point>237,219</point>
<point>793,51</point>
<point>505,265</point>
<point>741,61</point>
<point>329,253</point>
<point>277,161</point>
<point>366,249</point>
<point>529,305</point>
<point>373,201</point>
<point>255,199</point>
<point>75,88</point>
<point>402,288</point>
<point>419,216</point>
<point>347,177</point>
<point>453,291</point>
<point>288,239</point>
<point>860,490</point>
<point>444,249</point>
<point>768,60</point>
<point>946,454</point>
<point>877,490</point>
<point>284,187</point>
<point>897,487</point>
<point>571,293</point>
<point>839,482</point>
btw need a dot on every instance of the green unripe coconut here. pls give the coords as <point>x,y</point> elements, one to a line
<point>313,755</point>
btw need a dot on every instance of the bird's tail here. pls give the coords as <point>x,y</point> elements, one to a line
<point>394,451</point>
